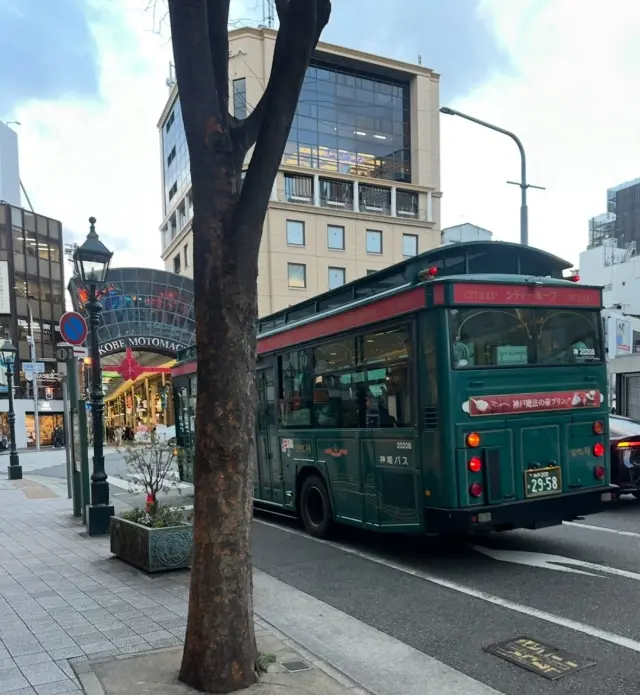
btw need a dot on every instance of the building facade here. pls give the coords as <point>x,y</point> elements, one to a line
<point>359,184</point>
<point>9,167</point>
<point>31,304</point>
<point>622,219</point>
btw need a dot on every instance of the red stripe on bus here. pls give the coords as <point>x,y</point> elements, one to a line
<point>524,295</point>
<point>186,368</point>
<point>355,318</point>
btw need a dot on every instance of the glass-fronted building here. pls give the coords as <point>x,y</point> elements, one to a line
<point>31,301</point>
<point>358,187</point>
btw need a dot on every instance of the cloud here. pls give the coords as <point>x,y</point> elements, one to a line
<point>49,52</point>
<point>572,99</point>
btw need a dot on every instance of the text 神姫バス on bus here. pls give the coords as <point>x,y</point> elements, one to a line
<point>461,390</point>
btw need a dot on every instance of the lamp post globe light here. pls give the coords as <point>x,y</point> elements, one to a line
<point>91,263</point>
<point>8,352</point>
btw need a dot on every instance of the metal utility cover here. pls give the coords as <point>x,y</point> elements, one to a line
<point>295,666</point>
<point>539,658</point>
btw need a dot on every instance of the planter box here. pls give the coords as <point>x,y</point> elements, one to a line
<point>152,549</point>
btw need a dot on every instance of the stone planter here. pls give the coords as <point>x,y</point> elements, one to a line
<point>152,549</point>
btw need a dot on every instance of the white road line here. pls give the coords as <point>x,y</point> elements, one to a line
<point>474,593</point>
<point>604,529</point>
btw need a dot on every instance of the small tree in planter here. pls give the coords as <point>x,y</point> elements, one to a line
<point>157,537</point>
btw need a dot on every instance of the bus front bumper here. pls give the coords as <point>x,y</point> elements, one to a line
<point>527,514</point>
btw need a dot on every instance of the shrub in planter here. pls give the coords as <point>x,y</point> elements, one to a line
<point>157,537</point>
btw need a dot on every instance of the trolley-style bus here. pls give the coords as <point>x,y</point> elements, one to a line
<point>461,390</point>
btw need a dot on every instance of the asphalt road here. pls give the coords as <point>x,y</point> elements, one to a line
<point>573,587</point>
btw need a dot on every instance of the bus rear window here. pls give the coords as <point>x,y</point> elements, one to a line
<point>495,337</point>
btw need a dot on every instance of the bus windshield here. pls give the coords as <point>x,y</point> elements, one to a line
<point>484,337</point>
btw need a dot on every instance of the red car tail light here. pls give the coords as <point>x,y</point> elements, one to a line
<point>475,490</point>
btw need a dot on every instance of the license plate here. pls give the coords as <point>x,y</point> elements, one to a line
<point>543,481</point>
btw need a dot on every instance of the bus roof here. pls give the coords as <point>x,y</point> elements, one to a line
<point>470,258</point>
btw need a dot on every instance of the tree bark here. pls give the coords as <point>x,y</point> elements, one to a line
<point>220,647</point>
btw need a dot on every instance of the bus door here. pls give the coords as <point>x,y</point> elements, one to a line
<point>268,484</point>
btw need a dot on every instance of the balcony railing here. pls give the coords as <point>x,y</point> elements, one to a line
<point>375,199</point>
<point>406,204</point>
<point>336,194</point>
<point>298,189</point>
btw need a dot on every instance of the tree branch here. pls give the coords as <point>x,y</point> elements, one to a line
<point>246,132</point>
<point>195,74</point>
<point>297,38</point>
<point>217,24</point>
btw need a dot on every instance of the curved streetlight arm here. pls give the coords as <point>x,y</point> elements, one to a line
<point>524,211</point>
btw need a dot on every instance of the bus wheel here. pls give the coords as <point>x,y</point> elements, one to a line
<point>315,507</point>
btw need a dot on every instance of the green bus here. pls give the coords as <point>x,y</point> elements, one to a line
<point>462,390</point>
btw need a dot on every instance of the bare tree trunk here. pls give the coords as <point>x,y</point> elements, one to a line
<point>220,647</point>
<point>220,642</point>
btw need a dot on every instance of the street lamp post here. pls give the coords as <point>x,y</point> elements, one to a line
<point>8,352</point>
<point>523,185</point>
<point>91,261</point>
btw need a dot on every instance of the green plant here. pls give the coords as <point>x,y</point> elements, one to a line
<point>159,517</point>
<point>263,661</point>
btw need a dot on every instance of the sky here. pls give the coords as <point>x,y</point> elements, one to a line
<point>86,81</point>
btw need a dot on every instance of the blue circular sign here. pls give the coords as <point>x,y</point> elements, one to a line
<point>73,328</point>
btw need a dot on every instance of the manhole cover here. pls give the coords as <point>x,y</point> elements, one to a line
<point>295,666</point>
<point>540,658</point>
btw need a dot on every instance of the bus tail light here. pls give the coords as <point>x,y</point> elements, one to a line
<point>599,472</point>
<point>475,464</point>
<point>598,449</point>
<point>598,427</point>
<point>473,440</point>
<point>475,490</point>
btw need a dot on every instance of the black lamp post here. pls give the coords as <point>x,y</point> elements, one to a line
<point>8,352</point>
<point>91,261</point>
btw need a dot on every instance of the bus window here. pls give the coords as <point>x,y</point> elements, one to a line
<point>490,338</point>
<point>295,394</point>
<point>387,346</point>
<point>567,337</point>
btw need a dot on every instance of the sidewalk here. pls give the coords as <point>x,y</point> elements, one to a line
<point>65,602</point>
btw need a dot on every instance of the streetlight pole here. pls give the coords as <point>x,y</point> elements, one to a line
<point>8,351</point>
<point>91,261</point>
<point>34,376</point>
<point>523,185</point>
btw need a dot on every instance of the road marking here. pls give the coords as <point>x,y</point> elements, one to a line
<point>553,562</point>
<point>604,529</point>
<point>604,635</point>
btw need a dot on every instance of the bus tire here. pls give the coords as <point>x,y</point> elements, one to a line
<point>315,507</point>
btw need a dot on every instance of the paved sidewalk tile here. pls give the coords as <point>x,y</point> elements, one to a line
<point>63,598</point>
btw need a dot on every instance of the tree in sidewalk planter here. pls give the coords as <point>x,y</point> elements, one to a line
<point>151,465</point>
<point>220,648</point>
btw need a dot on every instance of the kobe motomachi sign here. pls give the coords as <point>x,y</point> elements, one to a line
<point>532,402</point>
<point>140,343</point>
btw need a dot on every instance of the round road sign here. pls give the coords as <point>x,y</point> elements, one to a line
<point>73,328</point>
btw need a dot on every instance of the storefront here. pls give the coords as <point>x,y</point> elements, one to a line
<point>51,414</point>
<point>47,424</point>
<point>146,401</point>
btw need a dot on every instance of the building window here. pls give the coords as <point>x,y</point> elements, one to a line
<point>173,190</point>
<point>376,199</point>
<point>348,122</point>
<point>337,277</point>
<point>186,255</point>
<point>170,120</point>
<point>176,264</point>
<point>409,245</point>
<point>406,204</point>
<point>374,241</point>
<point>335,237</point>
<point>298,189</point>
<point>297,275</point>
<point>240,98</point>
<point>295,233</point>
<point>172,156</point>
<point>336,194</point>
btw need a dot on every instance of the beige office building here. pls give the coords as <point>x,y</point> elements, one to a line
<point>359,185</point>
